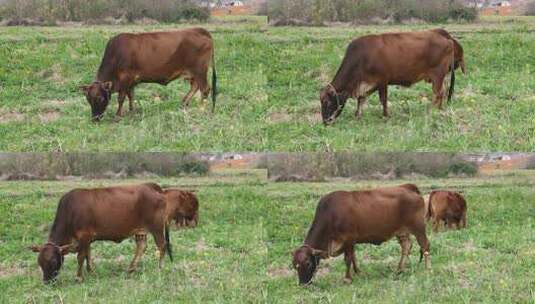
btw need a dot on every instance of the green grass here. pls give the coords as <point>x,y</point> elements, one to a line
<point>269,80</point>
<point>248,227</point>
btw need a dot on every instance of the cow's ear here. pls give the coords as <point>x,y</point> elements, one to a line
<point>65,249</point>
<point>35,248</point>
<point>108,85</point>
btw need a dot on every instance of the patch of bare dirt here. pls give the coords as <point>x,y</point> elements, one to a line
<point>49,116</point>
<point>56,103</point>
<point>12,116</point>
<point>10,271</point>
<point>53,74</point>
<point>201,245</point>
<point>277,117</point>
<point>279,272</point>
<point>314,118</point>
<point>469,246</point>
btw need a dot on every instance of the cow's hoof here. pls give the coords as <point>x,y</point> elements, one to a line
<point>117,118</point>
<point>79,279</point>
<point>348,280</point>
<point>131,269</point>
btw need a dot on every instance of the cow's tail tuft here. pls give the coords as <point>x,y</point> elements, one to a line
<point>214,81</point>
<point>168,243</point>
<point>452,80</point>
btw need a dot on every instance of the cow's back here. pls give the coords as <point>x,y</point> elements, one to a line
<point>396,58</point>
<point>154,56</point>
<point>373,213</point>
<point>116,212</point>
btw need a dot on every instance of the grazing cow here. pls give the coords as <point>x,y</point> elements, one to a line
<point>105,214</point>
<point>158,57</point>
<point>345,218</point>
<point>448,207</point>
<point>182,207</point>
<point>374,62</point>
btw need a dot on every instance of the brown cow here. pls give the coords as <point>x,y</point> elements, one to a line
<point>448,207</point>
<point>105,214</point>
<point>182,207</point>
<point>158,57</point>
<point>344,219</point>
<point>374,62</point>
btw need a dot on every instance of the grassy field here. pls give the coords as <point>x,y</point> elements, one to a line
<point>248,227</point>
<point>269,87</point>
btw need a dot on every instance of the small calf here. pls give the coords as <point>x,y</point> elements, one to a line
<point>448,207</point>
<point>182,207</point>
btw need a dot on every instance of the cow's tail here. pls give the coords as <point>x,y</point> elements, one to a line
<point>214,81</point>
<point>429,206</point>
<point>168,243</point>
<point>452,80</point>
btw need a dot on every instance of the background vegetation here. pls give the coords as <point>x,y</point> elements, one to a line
<point>51,166</point>
<point>318,166</point>
<point>366,11</point>
<point>248,227</point>
<point>97,11</point>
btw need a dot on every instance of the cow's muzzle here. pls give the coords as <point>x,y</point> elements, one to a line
<point>97,118</point>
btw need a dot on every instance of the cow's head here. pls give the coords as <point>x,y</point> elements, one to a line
<point>459,56</point>
<point>98,95</point>
<point>50,259</point>
<point>306,261</point>
<point>332,104</point>
<point>189,220</point>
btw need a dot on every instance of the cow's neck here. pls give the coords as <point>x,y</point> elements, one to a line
<point>317,238</point>
<point>341,87</point>
<point>59,234</point>
<point>104,73</point>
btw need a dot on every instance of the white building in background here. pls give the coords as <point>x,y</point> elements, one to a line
<point>500,4</point>
<point>230,3</point>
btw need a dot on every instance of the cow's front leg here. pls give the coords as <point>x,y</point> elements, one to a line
<point>130,95</point>
<point>349,257</point>
<point>141,244</point>
<point>120,100</point>
<point>360,105</point>
<point>82,255</point>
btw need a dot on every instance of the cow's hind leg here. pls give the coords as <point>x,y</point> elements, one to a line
<point>405,243</point>
<point>88,261</point>
<point>141,244</point>
<point>120,100</point>
<point>202,80</point>
<point>383,96</point>
<point>421,238</point>
<point>354,260</point>
<point>159,239</point>
<point>438,91</point>
<point>436,224</point>
<point>194,88</point>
